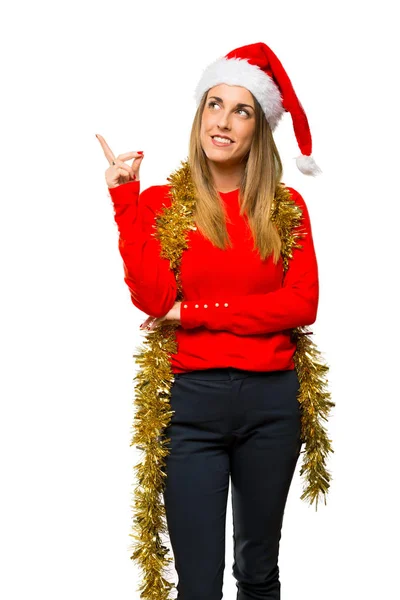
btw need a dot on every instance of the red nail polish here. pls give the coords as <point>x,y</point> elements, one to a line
<point>140,151</point>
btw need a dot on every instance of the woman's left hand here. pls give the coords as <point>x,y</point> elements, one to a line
<point>173,315</point>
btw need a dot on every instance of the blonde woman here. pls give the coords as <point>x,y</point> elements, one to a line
<point>246,279</point>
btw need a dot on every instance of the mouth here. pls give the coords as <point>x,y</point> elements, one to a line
<point>221,140</point>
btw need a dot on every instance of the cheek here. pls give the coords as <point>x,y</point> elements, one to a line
<point>208,122</point>
<point>204,126</point>
<point>247,136</point>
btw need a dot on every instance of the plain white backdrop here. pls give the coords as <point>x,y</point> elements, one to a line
<point>128,70</point>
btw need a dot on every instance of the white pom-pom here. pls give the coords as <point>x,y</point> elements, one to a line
<point>307,165</point>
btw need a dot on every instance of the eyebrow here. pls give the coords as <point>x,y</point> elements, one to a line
<point>238,105</point>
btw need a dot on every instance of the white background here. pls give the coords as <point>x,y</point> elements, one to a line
<point>128,70</point>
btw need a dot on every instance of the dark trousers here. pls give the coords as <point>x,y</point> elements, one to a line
<point>239,424</point>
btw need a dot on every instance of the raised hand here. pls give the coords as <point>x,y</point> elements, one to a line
<point>119,172</point>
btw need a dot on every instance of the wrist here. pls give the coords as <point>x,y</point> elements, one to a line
<point>126,192</point>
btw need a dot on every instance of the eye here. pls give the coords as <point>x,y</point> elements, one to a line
<point>210,104</point>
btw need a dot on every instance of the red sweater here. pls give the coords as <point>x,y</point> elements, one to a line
<point>237,311</point>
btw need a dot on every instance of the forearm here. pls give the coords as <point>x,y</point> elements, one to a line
<point>285,308</point>
<point>150,280</point>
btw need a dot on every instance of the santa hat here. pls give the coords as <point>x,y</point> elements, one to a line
<point>258,69</point>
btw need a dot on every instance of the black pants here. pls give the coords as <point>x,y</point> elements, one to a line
<point>242,424</point>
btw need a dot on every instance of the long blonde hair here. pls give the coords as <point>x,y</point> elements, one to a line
<point>262,173</point>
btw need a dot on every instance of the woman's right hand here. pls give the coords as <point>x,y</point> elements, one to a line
<point>120,172</point>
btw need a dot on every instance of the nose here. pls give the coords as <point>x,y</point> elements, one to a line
<point>224,121</point>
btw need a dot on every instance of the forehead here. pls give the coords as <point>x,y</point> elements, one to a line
<point>231,93</point>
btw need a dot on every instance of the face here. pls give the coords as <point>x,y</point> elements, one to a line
<point>228,112</point>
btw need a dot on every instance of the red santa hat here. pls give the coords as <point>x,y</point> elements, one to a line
<point>258,69</point>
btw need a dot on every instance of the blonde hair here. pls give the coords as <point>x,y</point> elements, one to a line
<point>262,173</point>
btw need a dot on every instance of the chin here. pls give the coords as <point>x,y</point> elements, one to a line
<point>215,157</point>
<point>214,154</point>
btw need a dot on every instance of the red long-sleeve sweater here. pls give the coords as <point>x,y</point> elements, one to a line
<point>238,310</point>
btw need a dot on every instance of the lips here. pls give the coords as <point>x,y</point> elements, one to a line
<point>225,137</point>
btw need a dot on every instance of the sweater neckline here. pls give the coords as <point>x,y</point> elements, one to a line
<point>228,193</point>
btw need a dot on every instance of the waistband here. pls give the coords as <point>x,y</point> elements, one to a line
<point>223,373</point>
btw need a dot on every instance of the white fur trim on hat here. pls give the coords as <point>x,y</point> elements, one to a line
<point>237,71</point>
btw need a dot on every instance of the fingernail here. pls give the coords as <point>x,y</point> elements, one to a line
<point>140,151</point>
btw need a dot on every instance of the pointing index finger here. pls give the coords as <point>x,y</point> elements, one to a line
<point>106,148</point>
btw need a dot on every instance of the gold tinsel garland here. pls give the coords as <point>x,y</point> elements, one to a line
<point>155,378</point>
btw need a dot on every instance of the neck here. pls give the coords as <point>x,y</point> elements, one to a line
<point>226,177</point>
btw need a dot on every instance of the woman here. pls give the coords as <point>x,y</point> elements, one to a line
<point>223,262</point>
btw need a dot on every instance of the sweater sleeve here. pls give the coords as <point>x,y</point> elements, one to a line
<point>150,280</point>
<point>294,304</point>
